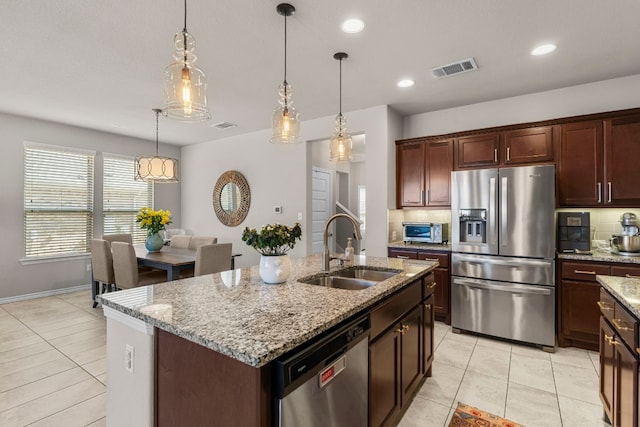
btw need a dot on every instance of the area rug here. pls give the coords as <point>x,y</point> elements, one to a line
<point>468,416</point>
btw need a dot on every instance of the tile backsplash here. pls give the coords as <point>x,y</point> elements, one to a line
<point>604,222</point>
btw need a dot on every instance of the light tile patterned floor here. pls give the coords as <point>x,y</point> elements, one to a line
<point>53,373</point>
<point>52,362</point>
<point>521,383</point>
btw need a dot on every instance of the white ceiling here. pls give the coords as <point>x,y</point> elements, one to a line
<point>99,64</point>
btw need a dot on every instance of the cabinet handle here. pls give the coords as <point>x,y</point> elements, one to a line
<point>584,272</point>
<point>599,192</point>
<point>632,277</point>
<point>608,338</point>
<point>433,285</point>
<point>495,155</point>
<point>638,350</point>
<point>614,342</point>
<point>426,200</point>
<point>609,190</point>
<point>618,324</point>
<point>604,306</point>
<point>430,259</point>
<point>508,153</point>
<point>427,305</point>
<point>405,328</point>
<point>402,256</point>
<point>421,194</point>
<point>400,330</point>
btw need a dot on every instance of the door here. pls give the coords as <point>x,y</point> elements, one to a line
<point>622,151</point>
<point>321,206</point>
<point>626,385</point>
<point>527,205</point>
<point>477,191</point>
<point>607,358</point>
<point>580,171</point>
<point>578,313</point>
<point>439,163</point>
<point>410,175</point>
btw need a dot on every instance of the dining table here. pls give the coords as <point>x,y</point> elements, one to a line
<point>172,260</point>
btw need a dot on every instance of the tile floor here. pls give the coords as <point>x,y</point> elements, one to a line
<point>53,373</point>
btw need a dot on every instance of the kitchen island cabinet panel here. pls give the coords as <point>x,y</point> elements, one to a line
<point>622,151</point>
<point>194,384</point>
<point>384,378</point>
<point>411,353</point>
<point>428,317</point>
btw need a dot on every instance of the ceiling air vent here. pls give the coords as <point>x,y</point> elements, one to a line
<point>223,125</point>
<point>454,68</point>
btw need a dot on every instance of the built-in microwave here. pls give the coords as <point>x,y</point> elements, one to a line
<point>425,232</point>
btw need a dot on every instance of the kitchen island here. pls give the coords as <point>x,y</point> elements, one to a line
<point>217,334</point>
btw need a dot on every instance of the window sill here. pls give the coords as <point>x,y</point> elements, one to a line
<point>54,258</point>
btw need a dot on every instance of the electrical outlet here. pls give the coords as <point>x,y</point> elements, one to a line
<point>299,216</point>
<point>88,268</point>
<point>277,209</point>
<point>129,359</point>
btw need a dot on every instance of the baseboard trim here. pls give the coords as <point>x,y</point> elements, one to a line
<point>44,294</point>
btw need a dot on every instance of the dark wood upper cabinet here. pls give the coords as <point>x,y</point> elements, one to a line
<point>423,173</point>
<point>410,175</point>
<point>580,170</point>
<point>530,145</point>
<point>622,153</point>
<point>481,150</point>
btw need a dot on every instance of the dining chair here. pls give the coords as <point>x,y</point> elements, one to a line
<point>125,268</point>
<point>117,238</point>
<point>212,258</point>
<point>180,241</point>
<point>101,267</point>
<point>197,241</point>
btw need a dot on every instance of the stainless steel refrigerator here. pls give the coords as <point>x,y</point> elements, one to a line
<point>503,250</point>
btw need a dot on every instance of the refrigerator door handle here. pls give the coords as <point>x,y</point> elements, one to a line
<point>493,209</point>
<point>504,198</point>
<point>505,262</point>
<point>515,289</point>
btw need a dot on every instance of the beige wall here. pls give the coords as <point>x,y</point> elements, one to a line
<point>17,278</point>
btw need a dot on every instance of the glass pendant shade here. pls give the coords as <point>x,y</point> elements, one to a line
<point>341,145</point>
<point>156,168</point>
<point>286,120</point>
<point>185,85</point>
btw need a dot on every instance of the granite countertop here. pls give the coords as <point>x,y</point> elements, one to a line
<point>625,289</point>
<point>602,256</point>
<point>427,246</point>
<point>236,314</point>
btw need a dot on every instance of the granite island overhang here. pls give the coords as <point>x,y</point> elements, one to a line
<point>236,315</point>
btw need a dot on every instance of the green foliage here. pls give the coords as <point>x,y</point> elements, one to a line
<point>274,239</point>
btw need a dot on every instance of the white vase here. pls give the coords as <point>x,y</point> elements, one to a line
<point>275,269</point>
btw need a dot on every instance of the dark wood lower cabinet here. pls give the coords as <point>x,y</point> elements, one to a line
<point>384,378</point>
<point>578,314</point>
<point>411,354</point>
<point>428,319</point>
<point>618,364</point>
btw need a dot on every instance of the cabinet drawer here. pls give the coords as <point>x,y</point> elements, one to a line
<point>403,253</point>
<point>625,271</point>
<point>606,304</point>
<point>626,325</point>
<point>585,271</point>
<point>429,285</point>
<point>442,258</point>
<point>389,311</point>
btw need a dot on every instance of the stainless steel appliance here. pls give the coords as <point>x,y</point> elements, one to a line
<point>503,249</point>
<point>627,243</point>
<point>326,382</point>
<point>574,231</point>
<point>425,232</point>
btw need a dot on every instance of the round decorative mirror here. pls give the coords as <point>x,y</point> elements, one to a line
<point>231,198</point>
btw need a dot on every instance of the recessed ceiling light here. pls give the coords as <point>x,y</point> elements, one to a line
<point>352,26</point>
<point>543,49</point>
<point>406,83</point>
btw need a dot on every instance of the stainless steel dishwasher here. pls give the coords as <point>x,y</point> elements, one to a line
<point>326,382</point>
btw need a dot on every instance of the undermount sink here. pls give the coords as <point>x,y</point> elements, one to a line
<point>351,278</point>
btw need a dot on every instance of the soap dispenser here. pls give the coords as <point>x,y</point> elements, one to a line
<point>348,251</point>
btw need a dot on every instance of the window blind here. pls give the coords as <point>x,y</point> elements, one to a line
<point>58,200</point>
<point>123,196</point>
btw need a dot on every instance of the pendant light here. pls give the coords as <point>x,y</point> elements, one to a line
<point>156,168</point>
<point>341,144</point>
<point>286,120</point>
<point>185,86</point>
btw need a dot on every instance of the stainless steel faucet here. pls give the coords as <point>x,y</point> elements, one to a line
<point>326,257</point>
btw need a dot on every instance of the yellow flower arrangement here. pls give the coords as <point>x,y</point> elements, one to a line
<point>153,221</point>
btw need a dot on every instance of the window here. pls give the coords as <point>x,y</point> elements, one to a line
<point>58,200</point>
<point>123,197</point>
<point>362,206</point>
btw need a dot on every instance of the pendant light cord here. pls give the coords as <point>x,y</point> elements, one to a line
<point>157,113</point>
<point>285,52</point>
<point>184,33</point>
<point>341,87</point>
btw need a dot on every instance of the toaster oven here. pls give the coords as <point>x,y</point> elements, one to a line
<point>425,232</point>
